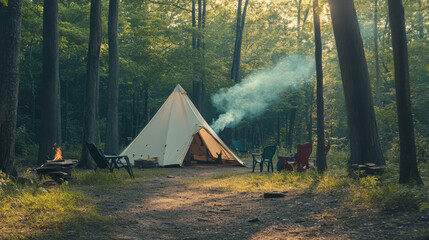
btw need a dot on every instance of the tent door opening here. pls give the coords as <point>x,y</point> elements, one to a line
<point>198,153</point>
<point>204,149</point>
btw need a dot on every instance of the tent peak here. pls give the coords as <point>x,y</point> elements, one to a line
<point>179,89</point>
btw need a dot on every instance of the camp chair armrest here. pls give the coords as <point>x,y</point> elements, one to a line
<point>254,155</point>
<point>115,156</point>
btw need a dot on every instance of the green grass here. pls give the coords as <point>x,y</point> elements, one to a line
<point>34,211</point>
<point>118,178</point>
<point>361,192</point>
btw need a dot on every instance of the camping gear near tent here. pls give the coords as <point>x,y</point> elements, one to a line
<point>109,161</point>
<point>265,157</point>
<point>179,135</point>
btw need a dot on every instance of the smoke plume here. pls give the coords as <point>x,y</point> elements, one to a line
<point>252,96</point>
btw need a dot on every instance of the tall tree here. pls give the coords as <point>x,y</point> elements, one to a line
<point>241,19</point>
<point>112,131</point>
<point>51,115</point>
<point>10,35</point>
<point>320,152</point>
<point>194,24</point>
<point>377,61</point>
<point>91,82</point>
<point>364,139</point>
<point>408,170</point>
<point>199,24</point>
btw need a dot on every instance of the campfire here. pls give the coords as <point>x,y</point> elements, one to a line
<point>58,169</point>
<point>58,153</point>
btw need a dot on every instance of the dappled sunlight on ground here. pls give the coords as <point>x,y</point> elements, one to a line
<point>168,207</point>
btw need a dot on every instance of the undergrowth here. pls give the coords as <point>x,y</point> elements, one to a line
<point>33,211</point>
<point>360,192</point>
<point>117,178</point>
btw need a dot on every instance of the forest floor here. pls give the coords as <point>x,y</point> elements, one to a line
<point>168,207</point>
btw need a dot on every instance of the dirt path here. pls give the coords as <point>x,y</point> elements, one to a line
<point>163,208</point>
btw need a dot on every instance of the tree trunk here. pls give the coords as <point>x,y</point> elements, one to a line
<point>199,25</point>
<point>50,127</point>
<point>377,62</point>
<point>203,27</point>
<point>112,131</point>
<point>238,58</point>
<point>196,94</point>
<point>194,24</point>
<point>298,6</point>
<point>10,35</point>
<point>91,82</point>
<point>237,34</point>
<point>364,140</point>
<point>408,170</point>
<point>320,152</point>
<point>291,127</point>
<point>147,104</point>
<point>278,129</point>
<point>241,19</point>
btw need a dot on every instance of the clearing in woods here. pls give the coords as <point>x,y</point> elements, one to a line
<point>168,207</point>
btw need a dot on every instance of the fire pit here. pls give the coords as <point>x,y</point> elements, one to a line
<point>58,169</point>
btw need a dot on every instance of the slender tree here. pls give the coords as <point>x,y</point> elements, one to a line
<point>194,24</point>
<point>10,34</point>
<point>320,152</point>
<point>112,131</point>
<point>199,24</point>
<point>377,61</point>
<point>91,82</point>
<point>364,140</point>
<point>241,19</point>
<point>51,115</point>
<point>408,170</point>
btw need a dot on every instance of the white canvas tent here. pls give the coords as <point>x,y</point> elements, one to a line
<point>179,133</point>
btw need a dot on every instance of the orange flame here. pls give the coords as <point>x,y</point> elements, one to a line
<point>58,154</point>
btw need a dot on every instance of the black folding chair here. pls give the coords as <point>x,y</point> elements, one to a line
<point>266,157</point>
<point>109,161</point>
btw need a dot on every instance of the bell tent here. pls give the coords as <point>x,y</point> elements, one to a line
<point>179,135</point>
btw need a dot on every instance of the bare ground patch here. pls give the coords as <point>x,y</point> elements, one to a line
<point>165,208</point>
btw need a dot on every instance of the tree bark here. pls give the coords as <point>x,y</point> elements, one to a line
<point>147,104</point>
<point>51,118</point>
<point>112,131</point>
<point>291,128</point>
<point>408,170</point>
<point>320,152</point>
<point>278,129</point>
<point>10,35</point>
<point>241,18</point>
<point>91,82</point>
<point>194,24</point>
<point>364,139</point>
<point>203,27</point>
<point>298,6</point>
<point>199,25</point>
<point>377,62</point>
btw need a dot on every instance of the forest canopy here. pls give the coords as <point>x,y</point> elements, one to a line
<point>156,53</point>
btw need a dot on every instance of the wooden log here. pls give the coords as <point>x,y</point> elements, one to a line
<point>274,195</point>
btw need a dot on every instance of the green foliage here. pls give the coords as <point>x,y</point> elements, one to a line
<point>398,197</point>
<point>155,44</point>
<point>257,182</point>
<point>357,192</point>
<point>104,178</point>
<point>32,211</point>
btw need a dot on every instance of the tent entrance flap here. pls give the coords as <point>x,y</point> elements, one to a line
<point>205,149</point>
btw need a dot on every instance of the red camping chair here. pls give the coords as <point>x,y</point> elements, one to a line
<point>302,155</point>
